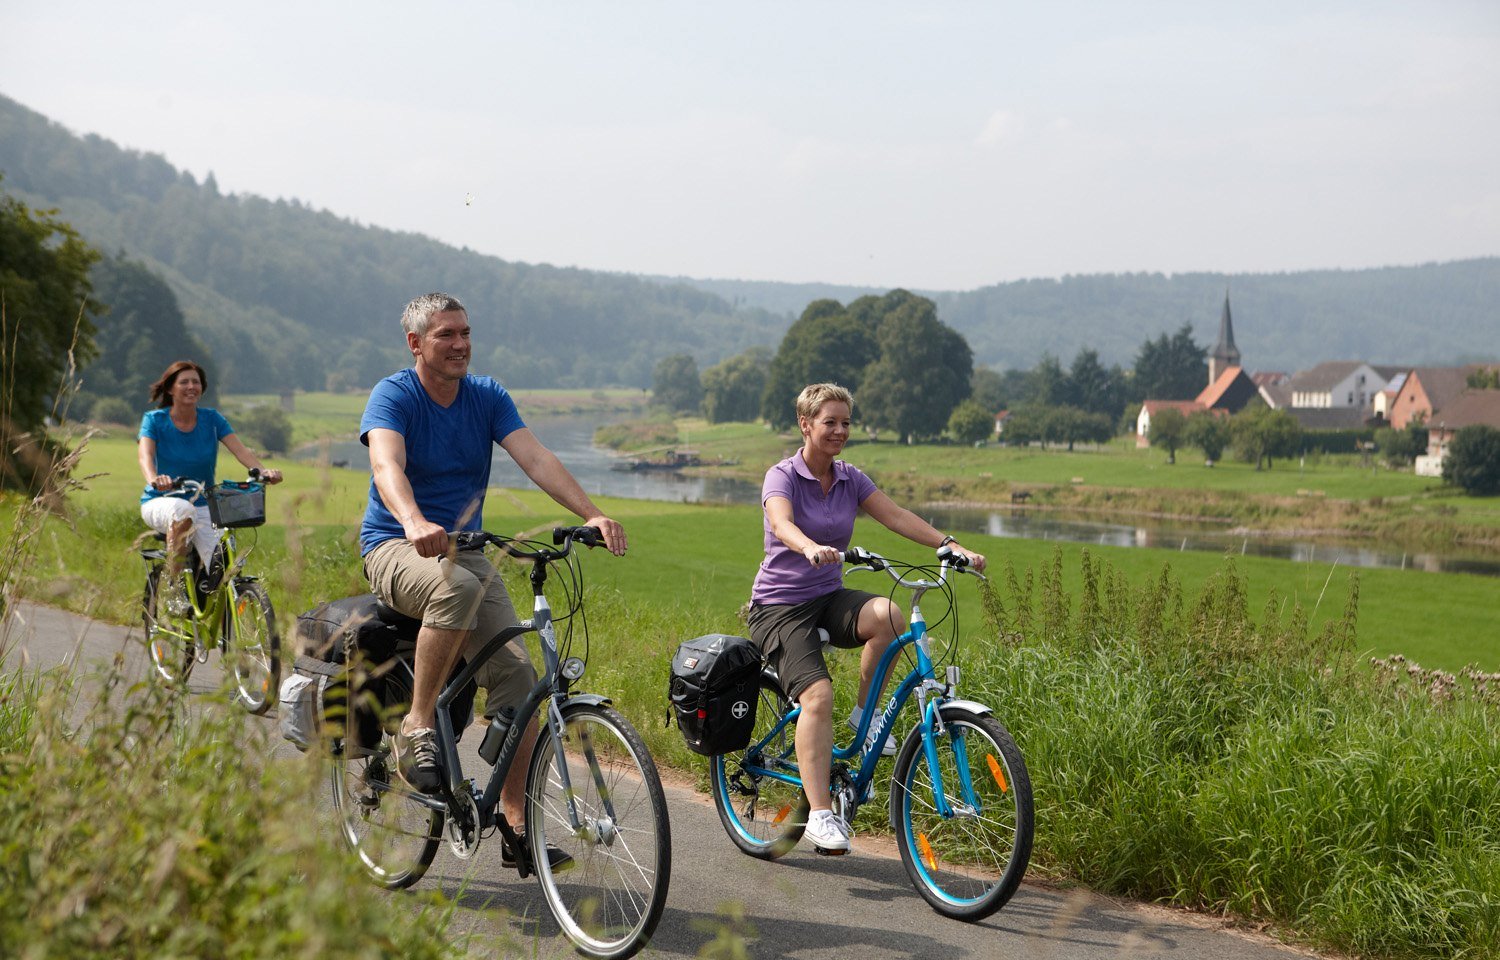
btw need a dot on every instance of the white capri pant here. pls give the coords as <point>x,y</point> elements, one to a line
<point>161,512</point>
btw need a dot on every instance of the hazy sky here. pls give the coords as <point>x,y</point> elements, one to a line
<point>930,145</point>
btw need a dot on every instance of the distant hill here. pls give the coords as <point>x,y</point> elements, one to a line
<point>1431,314</point>
<point>281,291</point>
<point>284,294</point>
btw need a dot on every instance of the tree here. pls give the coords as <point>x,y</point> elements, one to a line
<point>1261,434</point>
<point>732,389</point>
<point>1092,388</point>
<point>46,328</point>
<point>970,422</point>
<point>269,426</point>
<point>360,367</point>
<point>1049,384</point>
<point>1483,379</point>
<point>987,388</point>
<point>140,333</point>
<point>827,344</point>
<point>1400,447</point>
<point>1209,433</point>
<point>675,384</point>
<point>1168,429</point>
<point>1473,461</point>
<point>1171,368</point>
<point>923,371</point>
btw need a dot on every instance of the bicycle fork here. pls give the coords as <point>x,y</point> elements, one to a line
<point>595,830</point>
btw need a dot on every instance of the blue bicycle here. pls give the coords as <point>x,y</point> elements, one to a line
<point>960,797</point>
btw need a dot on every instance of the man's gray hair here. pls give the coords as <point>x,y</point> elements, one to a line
<point>418,313</point>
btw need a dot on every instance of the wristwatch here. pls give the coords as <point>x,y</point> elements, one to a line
<point>946,540</point>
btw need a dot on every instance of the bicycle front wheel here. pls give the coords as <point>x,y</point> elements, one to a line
<point>169,637</point>
<point>764,816</point>
<point>966,861</point>
<point>393,834</point>
<point>253,646</point>
<point>611,818</point>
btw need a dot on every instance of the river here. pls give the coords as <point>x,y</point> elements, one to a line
<point>571,438</point>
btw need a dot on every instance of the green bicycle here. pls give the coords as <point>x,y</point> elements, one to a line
<point>219,605</point>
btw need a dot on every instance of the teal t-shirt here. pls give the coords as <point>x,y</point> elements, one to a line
<point>192,454</point>
<point>448,450</point>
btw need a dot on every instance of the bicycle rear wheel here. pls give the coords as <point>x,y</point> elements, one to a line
<point>966,865</point>
<point>392,833</point>
<point>609,899</point>
<point>764,816</point>
<point>252,645</point>
<point>169,637</point>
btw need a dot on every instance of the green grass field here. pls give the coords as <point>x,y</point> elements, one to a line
<point>701,558</point>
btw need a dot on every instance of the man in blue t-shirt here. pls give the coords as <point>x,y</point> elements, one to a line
<point>430,429</point>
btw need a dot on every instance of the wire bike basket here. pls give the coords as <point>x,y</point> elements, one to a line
<point>237,504</point>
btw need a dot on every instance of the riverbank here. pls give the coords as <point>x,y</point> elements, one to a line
<point>1316,498</point>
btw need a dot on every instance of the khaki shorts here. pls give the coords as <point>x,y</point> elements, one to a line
<point>787,633</point>
<point>463,592</point>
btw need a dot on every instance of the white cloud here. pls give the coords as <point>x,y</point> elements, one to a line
<point>1002,126</point>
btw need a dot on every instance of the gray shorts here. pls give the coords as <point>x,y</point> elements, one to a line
<point>787,633</point>
<point>459,593</point>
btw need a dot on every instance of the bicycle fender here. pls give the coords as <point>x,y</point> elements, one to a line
<point>586,700</point>
<point>968,706</point>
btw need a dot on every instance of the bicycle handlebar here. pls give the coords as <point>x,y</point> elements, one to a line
<point>565,537</point>
<point>948,559</point>
<point>196,488</point>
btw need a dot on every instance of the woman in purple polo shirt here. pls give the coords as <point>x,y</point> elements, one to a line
<point>810,501</point>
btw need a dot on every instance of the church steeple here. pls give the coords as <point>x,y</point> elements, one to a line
<point>1225,354</point>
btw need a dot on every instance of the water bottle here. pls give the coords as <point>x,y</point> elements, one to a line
<point>494,734</point>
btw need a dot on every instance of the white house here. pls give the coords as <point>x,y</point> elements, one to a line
<point>1340,383</point>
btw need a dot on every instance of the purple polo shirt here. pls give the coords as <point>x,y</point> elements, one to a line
<point>785,576</point>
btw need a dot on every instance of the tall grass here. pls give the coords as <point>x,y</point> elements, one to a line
<point>146,830</point>
<point>1194,754</point>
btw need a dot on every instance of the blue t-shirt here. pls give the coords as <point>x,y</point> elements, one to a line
<point>447,450</point>
<point>193,454</point>
<point>785,576</point>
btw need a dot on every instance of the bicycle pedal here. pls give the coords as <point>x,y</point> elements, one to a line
<point>829,853</point>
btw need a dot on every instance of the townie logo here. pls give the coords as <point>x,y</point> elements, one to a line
<point>739,709</point>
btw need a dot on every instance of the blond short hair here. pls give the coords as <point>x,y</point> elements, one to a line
<point>814,395</point>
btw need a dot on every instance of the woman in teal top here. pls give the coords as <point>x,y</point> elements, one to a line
<point>180,440</point>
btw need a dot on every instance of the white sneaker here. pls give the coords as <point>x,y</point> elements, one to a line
<point>828,833</point>
<point>888,750</point>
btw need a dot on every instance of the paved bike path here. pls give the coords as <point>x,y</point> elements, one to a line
<point>802,906</point>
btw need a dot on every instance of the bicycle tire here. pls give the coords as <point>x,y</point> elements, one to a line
<point>610,898</point>
<point>393,836</point>
<point>763,816</point>
<point>170,648</point>
<point>255,663</point>
<point>966,866</point>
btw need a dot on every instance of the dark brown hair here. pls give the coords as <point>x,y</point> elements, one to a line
<point>161,390</point>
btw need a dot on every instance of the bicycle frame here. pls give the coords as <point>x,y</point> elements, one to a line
<point>214,610</point>
<point>551,687</point>
<point>931,696</point>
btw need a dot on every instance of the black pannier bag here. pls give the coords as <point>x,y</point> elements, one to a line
<point>714,689</point>
<point>356,644</point>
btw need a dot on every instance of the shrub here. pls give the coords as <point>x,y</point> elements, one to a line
<point>114,410</point>
<point>1473,461</point>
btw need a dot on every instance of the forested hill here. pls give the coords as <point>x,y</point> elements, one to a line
<point>285,295</point>
<point>281,292</point>
<point>1431,314</point>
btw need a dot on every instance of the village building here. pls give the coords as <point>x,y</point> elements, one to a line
<point>1427,390</point>
<point>1340,383</point>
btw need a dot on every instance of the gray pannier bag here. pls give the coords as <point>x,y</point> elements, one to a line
<point>301,709</point>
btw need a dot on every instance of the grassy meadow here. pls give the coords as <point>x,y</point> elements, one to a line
<point>1200,730</point>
